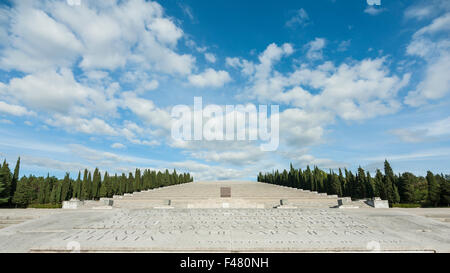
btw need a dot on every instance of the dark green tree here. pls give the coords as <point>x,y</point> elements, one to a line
<point>24,193</point>
<point>406,184</point>
<point>96,182</point>
<point>433,189</point>
<point>5,183</point>
<point>15,177</point>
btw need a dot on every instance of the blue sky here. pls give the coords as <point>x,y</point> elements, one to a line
<point>92,83</point>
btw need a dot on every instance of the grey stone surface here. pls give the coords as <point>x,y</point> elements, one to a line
<point>72,204</point>
<point>228,230</point>
<point>107,201</point>
<point>378,203</point>
<point>308,228</point>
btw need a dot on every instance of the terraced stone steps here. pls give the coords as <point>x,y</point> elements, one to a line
<point>244,194</point>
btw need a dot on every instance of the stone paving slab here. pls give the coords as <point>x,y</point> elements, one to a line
<point>226,230</point>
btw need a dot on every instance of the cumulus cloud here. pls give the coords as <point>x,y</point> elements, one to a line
<point>36,41</point>
<point>434,49</point>
<point>15,110</point>
<point>49,35</point>
<point>87,126</point>
<point>301,128</point>
<point>210,78</point>
<point>358,90</point>
<point>147,110</point>
<point>426,9</point>
<point>166,31</point>
<point>52,91</point>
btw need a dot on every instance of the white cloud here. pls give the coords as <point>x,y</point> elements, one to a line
<point>53,164</point>
<point>166,31</point>
<point>236,157</point>
<point>431,131</point>
<point>141,79</point>
<point>187,10</point>
<point>59,92</point>
<point>300,18</point>
<point>355,91</point>
<point>117,146</point>
<point>87,126</point>
<point>36,41</point>
<point>210,57</point>
<point>6,121</point>
<point>418,12</point>
<point>210,78</point>
<point>246,67</point>
<point>427,9</point>
<point>435,51</point>
<point>343,46</point>
<point>301,128</point>
<point>108,35</point>
<point>315,49</point>
<point>147,111</point>
<point>439,24</point>
<point>233,62</point>
<point>413,156</point>
<point>304,160</point>
<point>15,110</point>
<point>435,85</point>
<point>373,11</point>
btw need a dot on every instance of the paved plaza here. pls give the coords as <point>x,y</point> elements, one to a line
<point>196,219</point>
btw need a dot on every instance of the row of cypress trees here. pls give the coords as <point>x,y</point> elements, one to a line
<point>22,192</point>
<point>432,190</point>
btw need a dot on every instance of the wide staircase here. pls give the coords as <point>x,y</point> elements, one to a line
<point>244,194</point>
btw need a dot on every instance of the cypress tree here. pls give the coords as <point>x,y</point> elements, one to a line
<point>96,182</point>
<point>433,189</point>
<point>406,187</point>
<point>6,181</point>
<point>359,189</point>
<point>77,187</point>
<point>308,178</point>
<point>389,184</point>
<point>444,186</point>
<point>23,194</point>
<point>137,180</point>
<point>15,177</point>
<point>86,186</point>
<point>369,186</point>
<point>66,188</point>
<point>379,189</point>
<point>4,191</point>
<point>342,182</point>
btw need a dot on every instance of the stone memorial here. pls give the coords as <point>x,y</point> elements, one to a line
<point>72,204</point>
<point>257,217</point>
<point>376,202</point>
<point>225,192</point>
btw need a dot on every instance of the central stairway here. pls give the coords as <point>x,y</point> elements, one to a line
<point>244,194</point>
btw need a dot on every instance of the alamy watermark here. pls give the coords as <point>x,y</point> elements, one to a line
<point>74,2</point>
<point>226,123</point>
<point>374,2</point>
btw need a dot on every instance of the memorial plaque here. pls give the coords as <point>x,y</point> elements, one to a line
<point>225,191</point>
